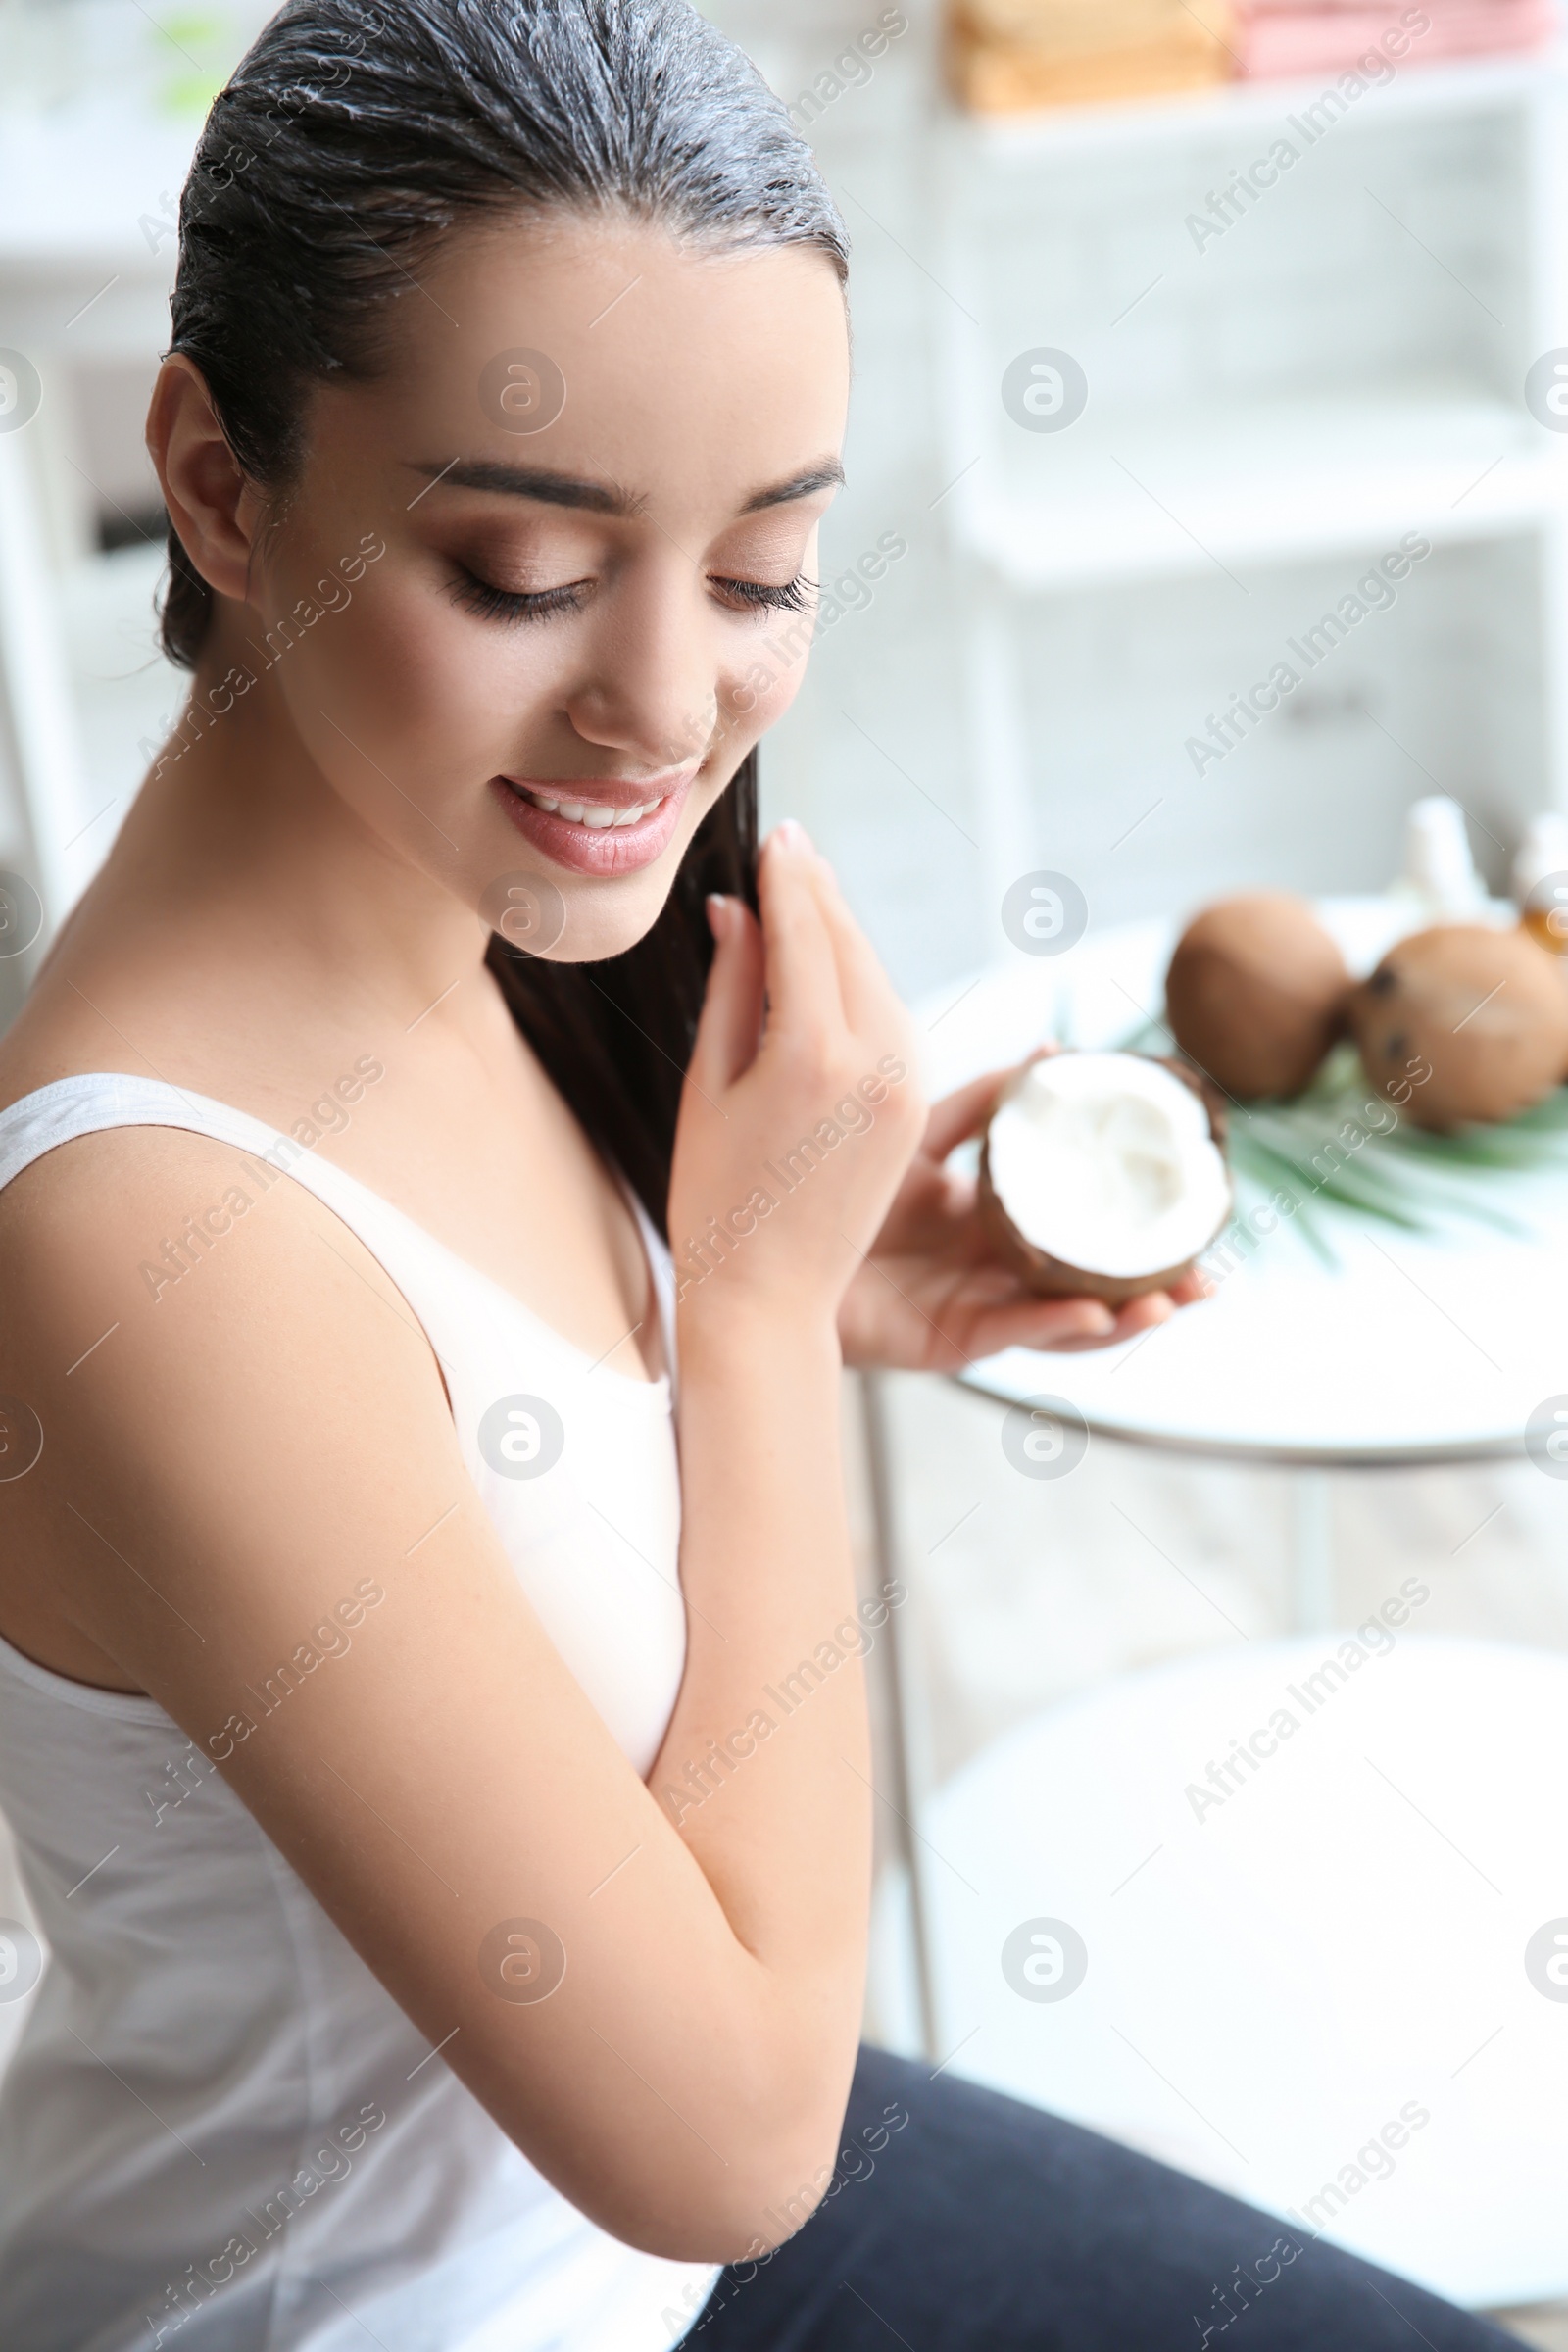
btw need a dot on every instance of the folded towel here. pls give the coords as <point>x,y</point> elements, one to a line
<point>1284,42</point>
<point>995,77</point>
<point>1392,9</point>
<point>1091,23</point>
<point>1005,55</point>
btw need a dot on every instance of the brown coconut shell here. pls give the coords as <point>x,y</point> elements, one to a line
<point>1050,1276</point>
<point>1255,994</point>
<point>1460,1024</point>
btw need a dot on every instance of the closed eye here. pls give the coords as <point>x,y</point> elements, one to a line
<point>512,603</point>
<point>794,596</point>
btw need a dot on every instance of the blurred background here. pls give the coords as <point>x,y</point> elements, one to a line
<point>1277,389</point>
<point>1169,321</point>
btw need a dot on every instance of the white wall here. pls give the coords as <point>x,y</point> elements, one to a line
<point>1397,263</point>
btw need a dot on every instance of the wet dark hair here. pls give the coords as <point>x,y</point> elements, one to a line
<point>353,138</point>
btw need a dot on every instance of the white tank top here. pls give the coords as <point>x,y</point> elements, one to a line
<point>219,2130</point>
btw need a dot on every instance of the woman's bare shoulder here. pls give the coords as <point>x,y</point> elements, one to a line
<point>155,1290</point>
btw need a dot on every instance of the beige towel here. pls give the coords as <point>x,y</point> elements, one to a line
<point>1093,25</point>
<point>1077,55</point>
<point>994,81</point>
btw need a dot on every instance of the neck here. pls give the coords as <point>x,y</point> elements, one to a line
<point>239,828</point>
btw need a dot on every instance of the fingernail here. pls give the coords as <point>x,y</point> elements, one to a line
<point>792,834</point>
<point>717,913</point>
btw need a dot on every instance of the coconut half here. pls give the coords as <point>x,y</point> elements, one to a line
<point>1103,1175</point>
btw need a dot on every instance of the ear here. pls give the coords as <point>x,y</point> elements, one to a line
<point>211,506</point>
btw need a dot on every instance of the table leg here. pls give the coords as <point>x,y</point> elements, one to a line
<point>902,1711</point>
<point>1310,1595</point>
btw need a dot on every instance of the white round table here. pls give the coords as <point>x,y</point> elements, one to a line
<point>1398,1349</point>
<point>1410,1348</point>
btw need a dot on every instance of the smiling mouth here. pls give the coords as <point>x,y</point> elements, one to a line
<point>600,826</point>
<point>595,816</point>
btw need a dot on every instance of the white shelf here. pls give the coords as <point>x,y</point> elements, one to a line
<point>1152,495</point>
<point>1466,85</point>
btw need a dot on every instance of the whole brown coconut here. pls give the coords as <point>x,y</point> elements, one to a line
<point>1463,1023</point>
<point>1255,994</point>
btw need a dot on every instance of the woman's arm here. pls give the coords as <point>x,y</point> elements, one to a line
<point>787,1158</point>
<point>272,1435</point>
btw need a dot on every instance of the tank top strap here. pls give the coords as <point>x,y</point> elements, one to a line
<point>96,1100</point>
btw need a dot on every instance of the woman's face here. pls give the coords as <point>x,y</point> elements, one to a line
<point>597,464</point>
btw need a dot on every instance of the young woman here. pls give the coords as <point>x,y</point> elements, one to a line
<point>454,1946</point>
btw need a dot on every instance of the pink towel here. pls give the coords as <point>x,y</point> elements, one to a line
<point>1285,39</point>
<point>1388,12</point>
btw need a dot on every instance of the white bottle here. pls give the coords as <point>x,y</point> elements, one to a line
<point>1544,851</point>
<point>1540,880</point>
<point>1439,882</point>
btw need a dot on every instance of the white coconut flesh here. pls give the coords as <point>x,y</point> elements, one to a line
<point>1106,1161</point>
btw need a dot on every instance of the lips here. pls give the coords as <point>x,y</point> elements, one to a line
<point>597,825</point>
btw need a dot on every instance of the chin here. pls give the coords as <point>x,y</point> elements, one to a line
<point>604,920</point>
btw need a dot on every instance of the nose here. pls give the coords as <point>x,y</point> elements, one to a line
<point>648,687</point>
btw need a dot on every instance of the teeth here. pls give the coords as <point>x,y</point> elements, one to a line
<point>595,814</point>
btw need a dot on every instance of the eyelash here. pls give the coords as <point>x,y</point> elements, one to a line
<point>794,596</point>
<point>491,603</point>
<point>504,604</point>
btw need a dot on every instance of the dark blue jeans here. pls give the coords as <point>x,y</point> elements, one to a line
<point>979,2224</point>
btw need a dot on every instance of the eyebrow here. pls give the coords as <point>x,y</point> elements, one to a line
<point>553,489</point>
<point>532,481</point>
<point>826,474</point>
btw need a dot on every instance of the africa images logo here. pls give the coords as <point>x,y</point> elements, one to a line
<point>521,1437</point>
<point>1044,1960</point>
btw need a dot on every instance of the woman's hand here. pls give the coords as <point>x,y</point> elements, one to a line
<point>801,1108</point>
<point>932,1295</point>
